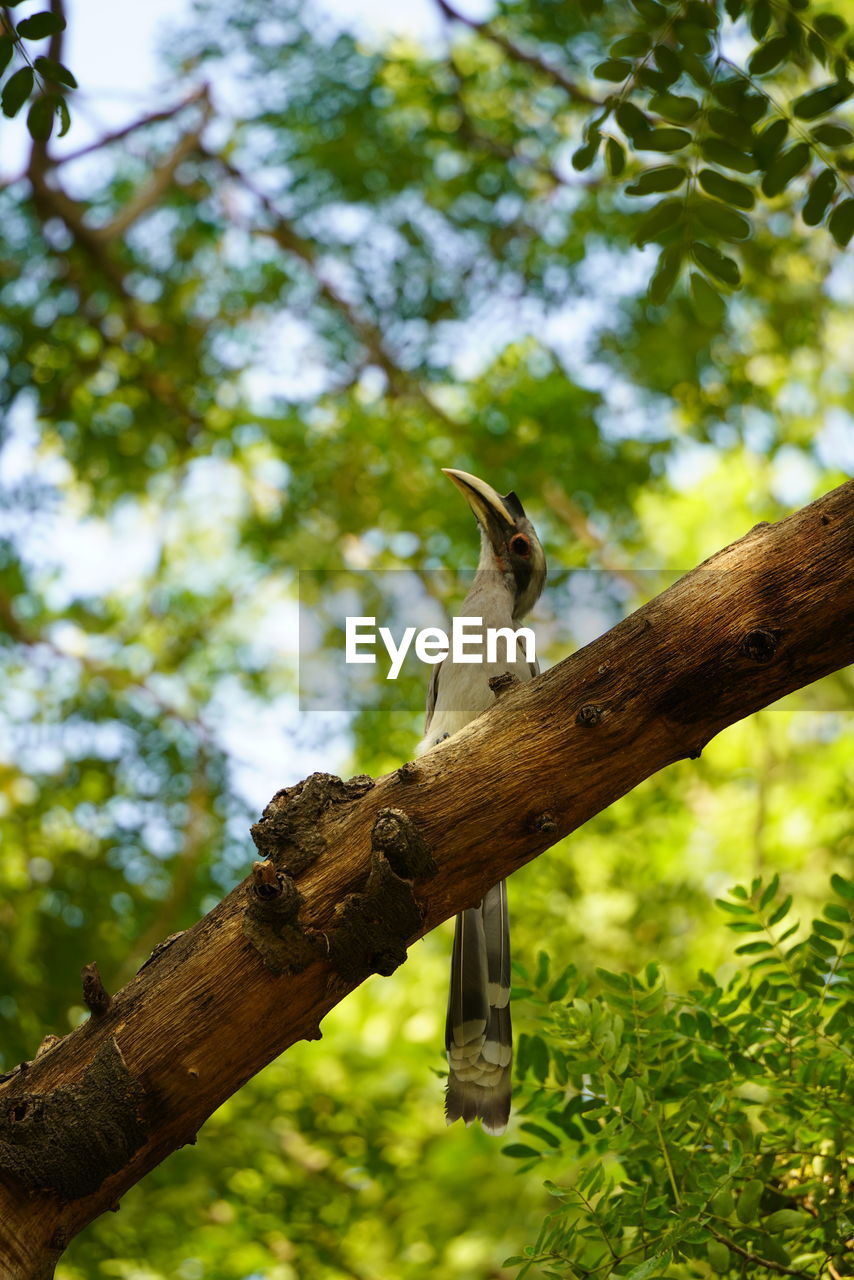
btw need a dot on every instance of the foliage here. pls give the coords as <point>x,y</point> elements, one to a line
<point>250,332</point>
<point>710,1132</point>
<point>42,73</point>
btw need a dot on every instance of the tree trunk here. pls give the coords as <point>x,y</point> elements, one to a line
<point>356,871</point>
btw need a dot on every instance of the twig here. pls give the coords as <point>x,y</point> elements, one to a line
<point>520,55</point>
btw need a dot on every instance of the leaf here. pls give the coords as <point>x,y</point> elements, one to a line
<point>825,930</point>
<point>832,135</point>
<point>646,1269</point>
<point>726,189</point>
<point>539,1058</point>
<point>7,48</point>
<point>753,948</point>
<point>667,62</point>
<point>41,25</point>
<point>845,888</point>
<point>785,1220</point>
<point>760,19</point>
<point>615,157</point>
<point>614,69</point>
<point>733,908</point>
<point>55,71</point>
<point>747,1204</point>
<point>630,46</point>
<point>819,101</point>
<point>665,177</point>
<point>769,892</point>
<point>665,275</point>
<point>724,153</point>
<point>786,167</point>
<point>585,156</point>
<point>769,142</point>
<point>518,1151</point>
<point>537,1131</point>
<point>660,218</point>
<point>64,116</point>
<point>731,127</point>
<point>632,120</point>
<point>709,306</point>
<point>781,912</point>
<point>40,118</point>
<point>16,90</point>
<point>663,140</point>
<point>830,25</point>
<point>674,107</point>
<point>769,55</point>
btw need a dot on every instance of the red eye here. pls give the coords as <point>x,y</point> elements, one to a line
<point>520,546</point>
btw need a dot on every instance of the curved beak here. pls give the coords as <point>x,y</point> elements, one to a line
<point>492,511</point>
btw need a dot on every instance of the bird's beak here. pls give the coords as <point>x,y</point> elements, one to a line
<point>490,508</point>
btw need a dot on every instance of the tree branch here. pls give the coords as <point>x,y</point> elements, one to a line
<point>357,871</point>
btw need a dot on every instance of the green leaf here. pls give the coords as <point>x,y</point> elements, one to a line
<point>709,306</point>
<point>733,908</point>
<point>537,1131</point>
<point>760,19</point>
<point>724,153</point>
<point>615,157</point>
<point>665,177</point>
<point>665,275</point>
<point>660,218</point>
<point>7,48</point>
<point>769,55</point>
<point>632,120</point>
<point>830,25</point>
<point>16,90</point>
<point>825,930</point>
<point>786,167</point>
<point>731,127</point>
<point>834,912</point>
<point>819,101</point>
<point>585,156</point>
<point>630,46</point>
<point>781,912</point>
<point>785,1220</point>
<point>654,13</point>
<point>645,1270</point>
<point>55,71</point>
<point>64,116</point>
<point>674,107</point>
<point>726,189</point>
<point>539,1058</point>
<point>753,948</point>
<point>667,62</point>
<point>747,1204</point>
<point>769,142</point>
<point>40,118</point>
<point>518,1151</point>
<point>41,25</point>
<point>769,892</point>
<point>614,69</point>
<point>832,135</point>
<point>845,888</point>
<point>663,140</point>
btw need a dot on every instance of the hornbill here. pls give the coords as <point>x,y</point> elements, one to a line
<point>510,575</point>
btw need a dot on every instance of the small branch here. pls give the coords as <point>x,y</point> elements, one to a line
<point>546,69</point>
<point>779,1267</point>
<point>95,995</point>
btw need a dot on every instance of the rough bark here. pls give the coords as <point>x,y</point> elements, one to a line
<point>355,872</point>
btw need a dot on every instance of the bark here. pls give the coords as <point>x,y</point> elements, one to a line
<point>355,872</point>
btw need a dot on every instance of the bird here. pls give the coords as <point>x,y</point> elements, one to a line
<point>510,576</point>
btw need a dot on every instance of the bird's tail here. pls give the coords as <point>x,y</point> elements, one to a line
<point>478,1034</point>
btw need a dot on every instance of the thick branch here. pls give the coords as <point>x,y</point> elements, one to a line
<point>355,872</point>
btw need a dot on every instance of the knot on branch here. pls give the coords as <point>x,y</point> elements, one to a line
<point>68,1141</point>
<point>270,921</point>
<point>408,772</point>
<point>372,928</point>
<point>95,995</point>
<point>545,822</point>
<point>589,715</point>
<point>396,835</point>
<point>287,831</point>
<point>500,684</point>
<point>760,644</point>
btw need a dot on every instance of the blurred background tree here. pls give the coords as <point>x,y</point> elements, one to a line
<point>240,337</point>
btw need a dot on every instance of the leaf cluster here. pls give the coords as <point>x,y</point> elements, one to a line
<point>706,1133</point>
<point>40,74</point>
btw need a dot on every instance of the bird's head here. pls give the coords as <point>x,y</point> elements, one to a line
<point>509,542</point>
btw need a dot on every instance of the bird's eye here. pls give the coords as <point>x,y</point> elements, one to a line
<point>520,546</point>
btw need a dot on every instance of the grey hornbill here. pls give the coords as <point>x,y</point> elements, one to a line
<point>510,575</point>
